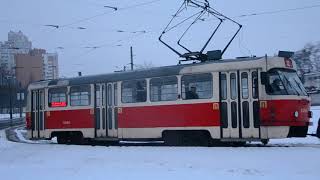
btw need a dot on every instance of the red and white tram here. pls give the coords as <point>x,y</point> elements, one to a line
<point>237,100</point>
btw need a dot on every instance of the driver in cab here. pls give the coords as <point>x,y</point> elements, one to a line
<point>192,93</point>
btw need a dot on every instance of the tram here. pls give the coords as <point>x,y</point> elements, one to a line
<point>231,100</point>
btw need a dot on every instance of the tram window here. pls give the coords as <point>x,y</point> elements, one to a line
<point>134,91</point>
<point>109,118</point>
<point>256,114</point>
<point>115,95</point>
<point>284,82</point>
<point>103,95</point>
<point>197,86</point>
<point>234,115</point>
<point>223,86</point>
<point>57,97</point>
<point>97,118</point>
<point>255,89</point>
<point>224,115</point>
<point>41,100</point>
<point>109,93</point>
<point>104,118</point>
<point>80,95</point>
<point>34,100</point>
<point>244,85</point>
<point>245,114</point>
<point>98,96</point>
<point>164,89</point>
<point>233,86</point>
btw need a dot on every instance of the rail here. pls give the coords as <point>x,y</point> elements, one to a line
<point>14,122</point>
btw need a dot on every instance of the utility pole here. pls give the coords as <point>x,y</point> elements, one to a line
<point>10,100</point>
<point>131,58</point>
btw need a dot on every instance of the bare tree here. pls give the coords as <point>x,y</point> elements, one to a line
<point>145,65</point>
<point>308,58</point>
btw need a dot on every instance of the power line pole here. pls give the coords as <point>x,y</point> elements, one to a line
<point>10,101</point>
<point>131,58</point>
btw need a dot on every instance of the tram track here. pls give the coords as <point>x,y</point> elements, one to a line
<point>15,134</point>
<point>14,122</point>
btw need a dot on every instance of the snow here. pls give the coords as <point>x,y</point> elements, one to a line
<point>7,116</point>
<point>50,161</point>
<point>315,119</point>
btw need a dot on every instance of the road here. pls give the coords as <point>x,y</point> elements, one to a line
<point>291,158</point>
<point>7,123</point>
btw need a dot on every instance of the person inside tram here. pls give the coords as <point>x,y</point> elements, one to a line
<point>192,93</point>
<point>276,86</point>
<point>141,93</point>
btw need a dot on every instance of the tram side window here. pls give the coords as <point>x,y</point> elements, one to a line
<point>134,91</point>
<point>255,88</point>
<point>80,95</point>
<point>197,86</point>
<point>57,97</point>
<point>115,94</point>
<point>233,86</point>
<point>244,85</point>
<point>223,86</point>
<point>164,89</point>
<point>98,96</point>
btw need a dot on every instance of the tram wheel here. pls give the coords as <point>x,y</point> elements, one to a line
<point>61,139</point>
<point>186,138</point>
<point>238,144</point>
<point>76,138</point>
<point>265,141</point>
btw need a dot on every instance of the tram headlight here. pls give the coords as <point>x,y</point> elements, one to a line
<point>296,114</point>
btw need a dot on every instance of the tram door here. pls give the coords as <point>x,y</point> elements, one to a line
<point>37,114</point>
<point>100,110</point>
<point>249,98</point>
<point>239,104</point>
<point>230,121</point>
<point>112,110</point>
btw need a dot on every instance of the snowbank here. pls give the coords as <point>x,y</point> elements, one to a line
<point>52,162</point>
<point>7,116</point>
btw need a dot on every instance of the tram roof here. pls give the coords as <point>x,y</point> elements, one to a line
<point>138,74</point>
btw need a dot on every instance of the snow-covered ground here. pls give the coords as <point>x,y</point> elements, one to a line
<point>301,160</point>
<point>7,116</point>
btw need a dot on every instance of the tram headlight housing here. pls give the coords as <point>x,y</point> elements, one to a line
<point>296,114</point>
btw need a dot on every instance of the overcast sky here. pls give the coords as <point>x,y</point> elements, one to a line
<point>263,34</point>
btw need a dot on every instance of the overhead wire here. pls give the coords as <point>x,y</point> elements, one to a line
<point>104,13</point>
<point>139,4</point>
<point>278,11</point>
<point>154,1</point>
<point>113,44</point>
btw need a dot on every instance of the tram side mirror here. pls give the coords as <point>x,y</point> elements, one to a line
<point>263,76</point>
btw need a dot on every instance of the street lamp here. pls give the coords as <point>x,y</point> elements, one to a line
<point>9,78</point>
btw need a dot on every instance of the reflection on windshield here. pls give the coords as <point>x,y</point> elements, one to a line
<point>284,82</point>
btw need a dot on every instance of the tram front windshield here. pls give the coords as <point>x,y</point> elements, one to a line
<point>284,82</point>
